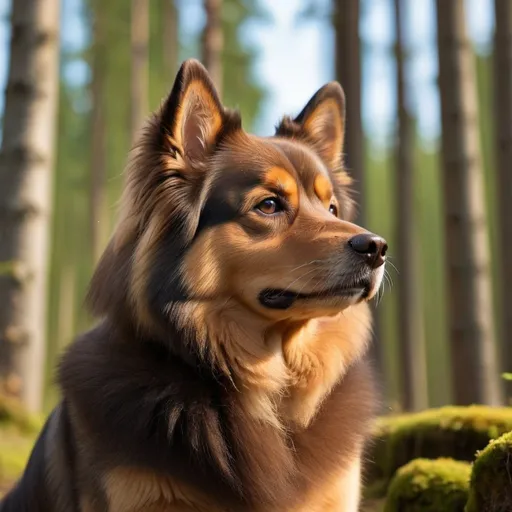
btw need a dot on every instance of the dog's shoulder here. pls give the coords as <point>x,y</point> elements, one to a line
<point>144,411</point>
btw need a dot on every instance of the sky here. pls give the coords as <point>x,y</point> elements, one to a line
<point>296,56</point>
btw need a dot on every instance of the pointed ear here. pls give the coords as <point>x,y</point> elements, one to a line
<point>192,116</point>
<point>321,123</point>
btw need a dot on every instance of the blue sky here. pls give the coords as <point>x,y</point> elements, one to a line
<point>297,56</point>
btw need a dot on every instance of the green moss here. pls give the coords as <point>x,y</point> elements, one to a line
<point>454,432</point>
<point>425,485</point>
<point>491,477</point>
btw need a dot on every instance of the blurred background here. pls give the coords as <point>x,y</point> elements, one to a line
<point>429,143</point>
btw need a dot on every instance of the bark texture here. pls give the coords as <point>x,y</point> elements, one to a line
<point>471,330</point>
<point>213,41</point>
<point>346,14</point>
<point>503,116</point>
<point>348,74</point>
<point>410,318</point>
<point>26,164</point>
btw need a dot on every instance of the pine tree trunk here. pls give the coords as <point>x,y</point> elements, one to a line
<point>140,64</point>
<point>98,215</point>
<point>348,73</point>
<point>503,116</point>
<point>410,321</point>
<point>471,331</point>
<point>170,40</point>
<point>213,41</point>
<point>26,164</point>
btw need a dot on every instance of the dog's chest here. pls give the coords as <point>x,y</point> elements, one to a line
<point>137,490</point>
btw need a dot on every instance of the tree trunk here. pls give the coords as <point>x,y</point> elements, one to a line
<point>170,40</point>
<point>97,214</point>
<point>471,332</point>
<point>348,74</point>
<point>410,321</point>
<point>26,163</point>
<point>213,41</point>
<point>503,116</point>
<point>140,64</point>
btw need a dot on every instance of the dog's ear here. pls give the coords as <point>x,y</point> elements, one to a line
<point>321,123</point>
<point>192,117</point>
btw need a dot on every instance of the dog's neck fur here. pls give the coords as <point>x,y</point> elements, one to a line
<point>283,369</point>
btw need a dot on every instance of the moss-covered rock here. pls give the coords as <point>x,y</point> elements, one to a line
<point>491,478</point>
<point>425,485</point>
<point>454,432</point>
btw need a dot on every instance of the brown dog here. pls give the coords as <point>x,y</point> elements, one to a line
<point>227,372</point>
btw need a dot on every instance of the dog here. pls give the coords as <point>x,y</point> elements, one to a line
<point>227,371</point>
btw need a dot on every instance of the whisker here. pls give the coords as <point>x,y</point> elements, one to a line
<point>388,279</point>
<point>393,266</point>
<point>309,280</point>
<point>298,278</point>
<point>299,266</point>
<point>378,296</point>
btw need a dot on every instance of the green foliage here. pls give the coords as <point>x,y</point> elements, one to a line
<point>455,432</point>
<point>491,477</point>
<point>425,485</point>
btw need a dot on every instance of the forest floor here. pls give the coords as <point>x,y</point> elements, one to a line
<point>18,431</point>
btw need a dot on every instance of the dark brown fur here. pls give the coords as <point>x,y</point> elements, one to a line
<point>192,393</point>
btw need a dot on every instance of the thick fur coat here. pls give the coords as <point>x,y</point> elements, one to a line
<point>227,371</point>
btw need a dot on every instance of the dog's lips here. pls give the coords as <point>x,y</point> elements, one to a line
<point>275,298</point>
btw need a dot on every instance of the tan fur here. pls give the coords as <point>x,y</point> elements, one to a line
<point>318,354</point>
<point>86,504</point>
<point>323,189</point>
<point>136,490</point>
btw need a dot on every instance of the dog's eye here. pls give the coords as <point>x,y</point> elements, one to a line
<point>333,209</point>
<point>270,206</point>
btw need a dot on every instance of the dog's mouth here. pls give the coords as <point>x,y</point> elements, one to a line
<point>276,298</point>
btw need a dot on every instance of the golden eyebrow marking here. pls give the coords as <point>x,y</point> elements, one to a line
<point>281,179</point>
<point>323,188</point>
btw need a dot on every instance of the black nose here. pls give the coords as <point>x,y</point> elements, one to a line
<point>371,246</point>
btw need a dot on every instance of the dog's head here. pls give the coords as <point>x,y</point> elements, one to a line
<point>214,215</point>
